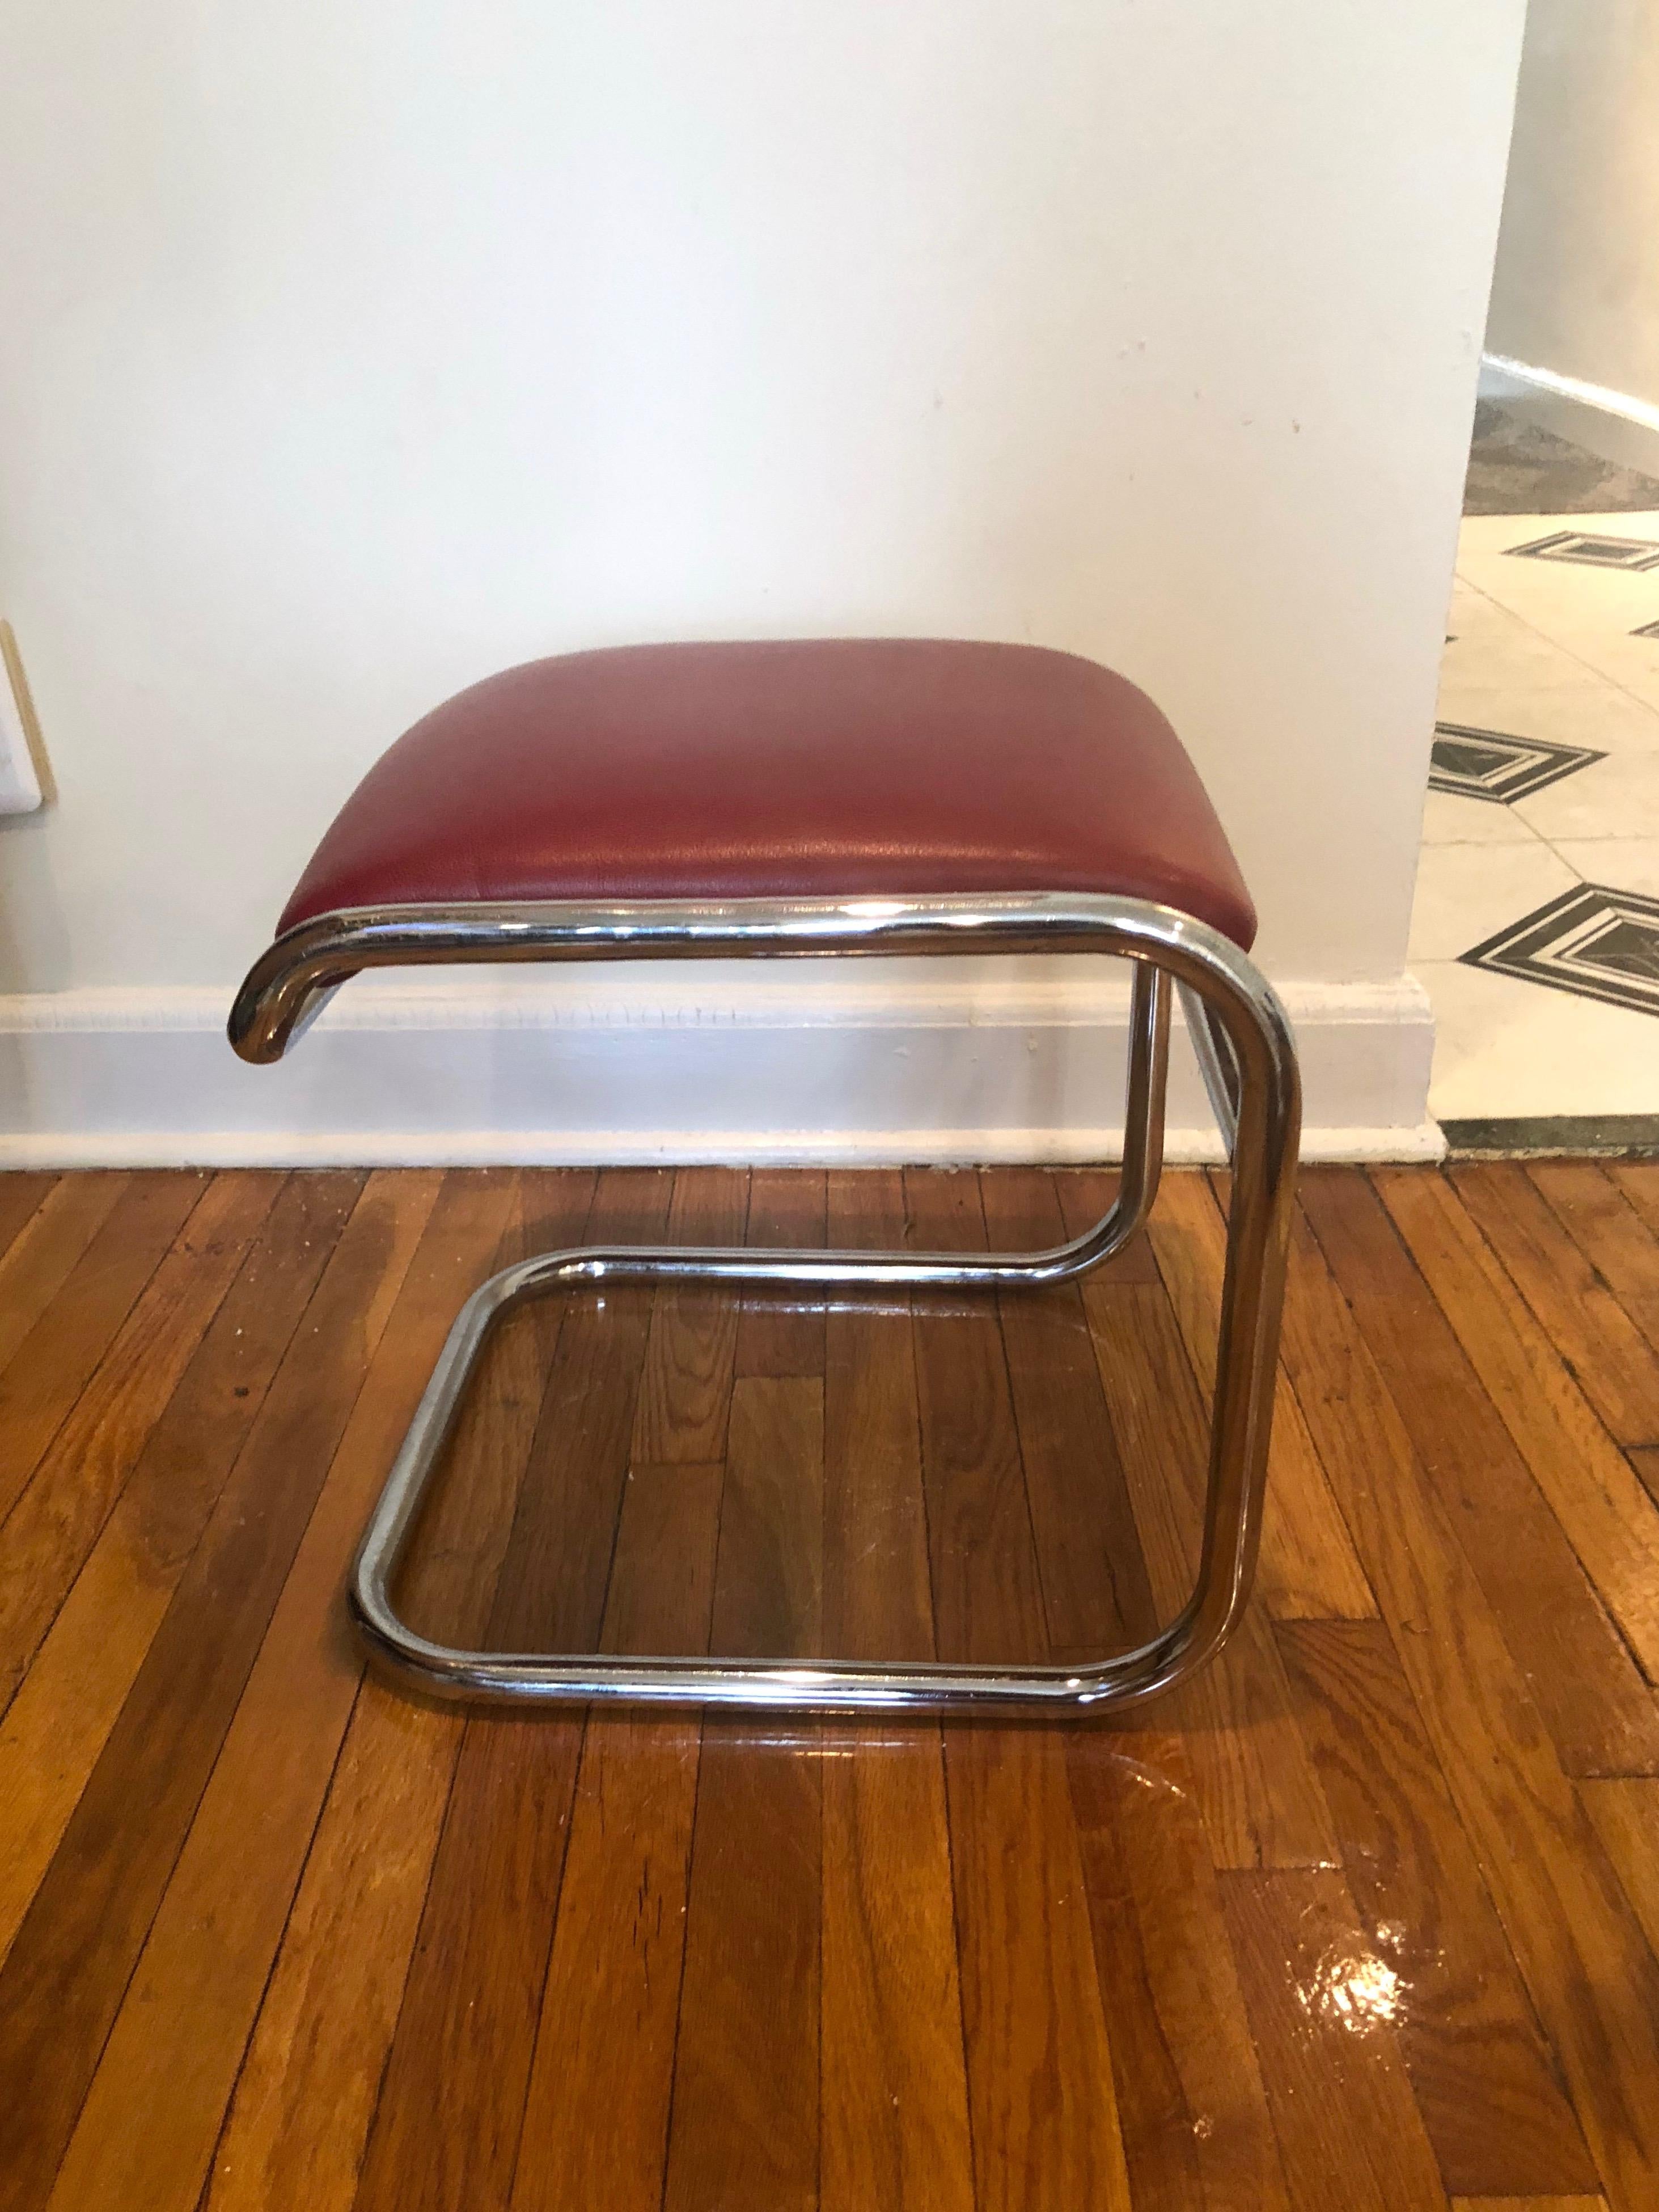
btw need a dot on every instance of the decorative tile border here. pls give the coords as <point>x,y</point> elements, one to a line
<point>1592,551</point>
<point>1595,941</point>
<point>1493,765</point>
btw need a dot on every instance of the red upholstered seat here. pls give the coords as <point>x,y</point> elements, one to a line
<point>834,768</point>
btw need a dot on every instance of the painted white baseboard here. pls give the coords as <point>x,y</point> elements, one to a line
<point>1619,428</point>
<point>792,1061</point>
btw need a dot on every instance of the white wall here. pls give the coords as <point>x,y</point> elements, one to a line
<point>351,352</point>
<point>1576,288</point>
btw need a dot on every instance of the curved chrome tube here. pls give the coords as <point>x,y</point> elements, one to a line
<point>1246,1049</point>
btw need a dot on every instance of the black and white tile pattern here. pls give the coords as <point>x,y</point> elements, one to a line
<point>1535,927</point>
<point>1494,765</point>
<point>1596,941</point>
<point>1591,550</point>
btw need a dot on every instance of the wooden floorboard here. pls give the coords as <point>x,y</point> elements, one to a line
<point>1592,1693</point>
<point>353,1816</point>
<point>1610,1521</point>
<point>1368,1916</point>
<point>1570,1295</point>
<point>1307,1569</point>
<point>59,1355</point>
<point>596,2114</point>
<point>894,2128</point>
<point>1349,2130</point>
<point>466,2031</point>
<point>22,1194</point>
<point>744,2110</point>
<point>1598,1216</point>
<point>1096,1595</point>
<point>86,1665</point>
<point>1482,2070</point>
<point>1191,2106</point>
<point>1260,1800</point>
<point>44,1247</point>
<point>163,1406</point>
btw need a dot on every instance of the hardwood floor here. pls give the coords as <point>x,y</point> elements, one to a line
<point>1367,1917</point>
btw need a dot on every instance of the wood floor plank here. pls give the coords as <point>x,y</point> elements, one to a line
<point>23,1191</point>
<point>769,1597</point>
<point>596,2116</point>
<point>1622,1248</point>
<point>179,2065</point>
<point>782,1333</point>
<point>1591,1487</point>
<point>1197,2135</point>
<point>744,2127</point>
<point>894,2082</point>
<point>301,2101</point>
<point>322,2015</point>
<point>62,1715</point>
<point>893,2090</point>
<point>185,2022</point>
<point>1626,1817</point>
<point>1041,2092</point>
<point>1097,1599</point>
<point>68,1970</point>
<point>1307,1569</point>
<point>1600,1711</point>
<point>692,1351</point>
<point>466,2030</point>
<point>987,1592</point>
<point>1041,2101</point>
<point>53,1526</point>
<point>453,1563</point>
<point>1646,1459</point>
<point>49,1371</point>
<point>1639,1180</point>
<point>1262,1800</point>
<point>1482,2073</point>
<point>1322,2002</point>
<point>877,1598</point>
<point>1613,1362</point>
<point>1529,2205</point>
<point>1567,1921</point>
<point>258,1899</point>
<point>42,1255</point>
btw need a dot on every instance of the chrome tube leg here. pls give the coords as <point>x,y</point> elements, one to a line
<point>1245,1042</point>
<point>1144,1090</point>
<point>1264,1143</point>
<point>1216,1062</point>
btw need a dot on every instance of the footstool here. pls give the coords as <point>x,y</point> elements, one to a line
<point>877,797</point>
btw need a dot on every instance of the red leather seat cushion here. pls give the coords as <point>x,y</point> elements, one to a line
<point>842,767</point>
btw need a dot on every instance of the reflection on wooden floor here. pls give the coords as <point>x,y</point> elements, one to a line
<point>1365,1918</point>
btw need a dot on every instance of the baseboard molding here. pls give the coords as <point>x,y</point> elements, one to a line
<point>850,1062</point>
<point>1613,425</point>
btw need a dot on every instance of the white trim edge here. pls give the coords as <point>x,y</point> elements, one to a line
<point>1616,425</point>
<point>785,1062</point>
<point>1598,396</point>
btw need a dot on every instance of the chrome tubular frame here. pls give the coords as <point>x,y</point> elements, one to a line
<point>1248,1056</point>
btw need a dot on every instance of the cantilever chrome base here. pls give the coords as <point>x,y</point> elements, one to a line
<point>1244,1047</point>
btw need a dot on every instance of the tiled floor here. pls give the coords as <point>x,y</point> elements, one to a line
<point>1545,995</point>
